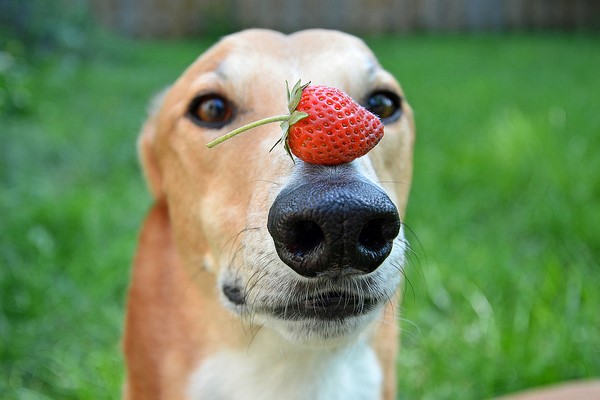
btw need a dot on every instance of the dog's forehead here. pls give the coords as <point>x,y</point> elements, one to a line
<point>320,56</point>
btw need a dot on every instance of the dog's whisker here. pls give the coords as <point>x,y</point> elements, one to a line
<point>412,324</point>
<point>388,320</point>
<point>416,240</point>
<point>252,282</point>
<point>276,184</point>
<point>404,183</point>
<point>253,336</point>
<point>236,237</point>
<point>232,261</point>
<point>407,283</point>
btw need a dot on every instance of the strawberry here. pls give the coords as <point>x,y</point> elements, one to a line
<point>337,129</point>
<point>325,126</point>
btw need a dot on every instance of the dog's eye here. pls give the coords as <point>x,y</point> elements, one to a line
<point>210,111</point>
<point>386,105</point>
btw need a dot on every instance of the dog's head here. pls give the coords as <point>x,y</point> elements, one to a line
<point>313,252</point>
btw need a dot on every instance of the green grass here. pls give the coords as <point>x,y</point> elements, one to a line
<point>504,287</point>
<point>504,292</point>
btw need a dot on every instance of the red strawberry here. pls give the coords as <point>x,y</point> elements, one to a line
<point>337,129</point>
<point>325,126</point>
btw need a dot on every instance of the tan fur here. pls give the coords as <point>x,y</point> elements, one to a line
<point>203,198</point>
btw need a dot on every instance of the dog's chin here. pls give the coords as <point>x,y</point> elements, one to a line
<point>324,311</point>
<point>322,332</point>
<point>328,319</point>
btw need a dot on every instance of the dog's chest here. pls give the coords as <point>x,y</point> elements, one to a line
<point>309,374</point>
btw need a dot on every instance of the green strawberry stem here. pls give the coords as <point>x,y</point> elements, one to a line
<point>241,129</point>
<point>287,121</point>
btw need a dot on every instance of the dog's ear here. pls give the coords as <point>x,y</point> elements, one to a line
<point>147,151</point>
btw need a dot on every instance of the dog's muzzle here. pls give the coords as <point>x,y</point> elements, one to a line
<point>333,224</point>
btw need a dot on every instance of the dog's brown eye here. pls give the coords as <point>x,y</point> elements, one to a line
<point>386,105</point>
<point>210,111</point>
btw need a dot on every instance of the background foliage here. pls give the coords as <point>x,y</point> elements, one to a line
<point>502,288</point>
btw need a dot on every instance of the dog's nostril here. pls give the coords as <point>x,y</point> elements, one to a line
<point>377,233</point>
<point>371,235</point>
<point>307,236</point>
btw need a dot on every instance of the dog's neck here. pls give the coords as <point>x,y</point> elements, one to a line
<point>271,368</point>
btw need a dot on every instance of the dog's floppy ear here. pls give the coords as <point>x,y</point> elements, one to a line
<point>146,148</point>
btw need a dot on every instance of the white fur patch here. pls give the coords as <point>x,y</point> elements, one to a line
<point>274,369</point>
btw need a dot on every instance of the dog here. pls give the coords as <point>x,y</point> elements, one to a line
<point>257,276</point>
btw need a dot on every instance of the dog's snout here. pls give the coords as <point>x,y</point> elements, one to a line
<point>333,228</point>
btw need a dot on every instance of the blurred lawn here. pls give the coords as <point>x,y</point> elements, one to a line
<point>503,290</point>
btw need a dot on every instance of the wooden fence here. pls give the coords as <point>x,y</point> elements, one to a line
<point>176,18</point>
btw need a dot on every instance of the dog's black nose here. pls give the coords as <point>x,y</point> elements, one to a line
<point>333,227</point>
